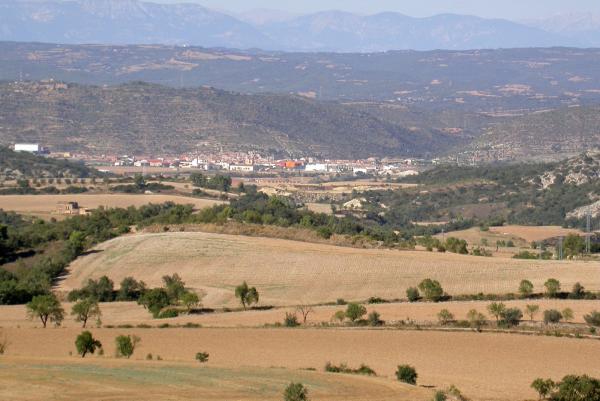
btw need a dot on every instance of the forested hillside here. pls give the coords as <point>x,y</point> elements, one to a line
<point>151,119</point>
<point>15,165</point>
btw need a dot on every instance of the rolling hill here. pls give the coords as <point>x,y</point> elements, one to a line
<point>151,119</point>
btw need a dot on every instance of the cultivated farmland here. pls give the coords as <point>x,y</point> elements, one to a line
<point>289,273</point>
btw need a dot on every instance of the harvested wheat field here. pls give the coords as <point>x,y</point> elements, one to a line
<point>483,366</point>
<point>288,272</point>
<point>534,233</point>
<point>108,379</point>
<point>45,205</point>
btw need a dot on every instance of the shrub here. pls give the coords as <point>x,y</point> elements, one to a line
<point>3,345</point>
<point>168,314</point>
<point>374,319</point>
<point>202,357</point>
<point>85,343</point>
<point>578,292</point>
<point>525,288</point>
<point>339,316</point>
<point>577,388</point>
<point>439,396</point>
<point>412,294</point>
<point>593,319</point>
<point>407,374</point>
<point>355,311</point>
<point>340,301</point>
<point>432,290</point>
<point>543,387</point>
<point>476,319</point>
<point>511,317</point>
<point>552,287</point>
<point>568,314</point>
<point>445,317</point>
<point>149,357</point>
<point>496,309</point>
<point>343,368</point>
<point>126,345</point>
<point>291,320</point>
<point>552,316</point>
<point>377,300</point>
<point>295,392</point>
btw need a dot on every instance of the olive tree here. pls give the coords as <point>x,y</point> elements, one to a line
<point>532,310</point>
<point>86,309</point>
<point>496,309</point>
<point>247,295</point>
<point>552,287</point>
<point>46,308</point>
<point>431,289</point>
<point>355,311</point>
<point>126,345</point>
<point>86,343</point>
<point>525,288</point>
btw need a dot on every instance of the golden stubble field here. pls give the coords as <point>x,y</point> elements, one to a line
<point>45,205</point>
<point>484,366</point>
<point>288,272</point>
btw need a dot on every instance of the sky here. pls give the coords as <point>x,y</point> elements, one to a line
<point>509,9</point>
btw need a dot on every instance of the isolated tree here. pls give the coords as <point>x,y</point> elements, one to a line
<point>46,308</point>
<point>304,310</point>
<point>202,357</point>
<point>431,289</point>
<point>295,392</point>
<point>355,311</point>
<point>407,374</point>
<point>552,316</point>
<point>246,295</point>
<point>476,319</point>
<point>552,287</point>
<point>496,309</point>
<point>86,309</point>
<point>374,319</point>
<point>543,387</point>
<point>445,317</point>
<point>85,344</point>
<point>190,300</point>
<point>525,288</point>
<point>126,345</point>
<point>532,310</point>
<point>568,314</point>
<point>412,294</point>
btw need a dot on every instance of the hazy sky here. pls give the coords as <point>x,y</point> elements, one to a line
<point>511,9</point>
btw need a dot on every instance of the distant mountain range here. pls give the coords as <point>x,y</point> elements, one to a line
<point>137,22</point>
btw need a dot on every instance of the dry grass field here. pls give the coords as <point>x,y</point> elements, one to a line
<point>45,205</point>
<point>288,272</point>
<point>484,366</point>
<point>107,379</point>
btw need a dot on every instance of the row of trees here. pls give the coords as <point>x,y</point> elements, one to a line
<point>48,309</point>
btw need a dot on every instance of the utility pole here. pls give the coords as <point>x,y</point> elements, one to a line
<point>588,235</point>
<point>560,248</point>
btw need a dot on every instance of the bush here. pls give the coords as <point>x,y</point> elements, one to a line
<point>341,301</point>
<point>355,311</point>
<point>407,374</point>
<point>593,319</point>
<point>340,316</point>
<point>511,317</point>
<point>439,396</point>
<point>445,317</point>
<point>552,316</point>
<point>577,388</point>
<point>413,294</point>
<point>526,288</point>
<point>291,320</point>
<point>377,300</point>
<point>374,319</point>
<point>85,344</point>
<point>343,368</point>
<point>552,287</point>
<point>202,357</point>
<point>126,345</point>
<point>578,292</point>
<point>432,290</point>
<point>295,392</point>
<point>168,314</point>
<point>476,319</point>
